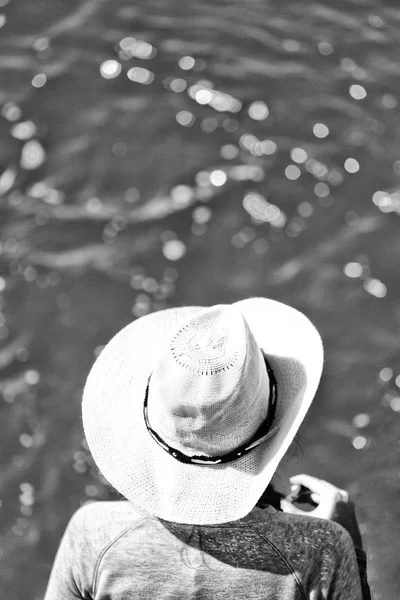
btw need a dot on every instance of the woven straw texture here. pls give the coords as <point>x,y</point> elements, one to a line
<point>208,392</point>
<point>141,469</point>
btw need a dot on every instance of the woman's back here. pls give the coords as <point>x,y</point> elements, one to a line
<point>112,552</point>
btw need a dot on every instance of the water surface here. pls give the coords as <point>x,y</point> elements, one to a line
<point>168,153</point>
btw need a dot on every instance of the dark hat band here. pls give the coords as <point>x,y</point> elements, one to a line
<point>261,434</point>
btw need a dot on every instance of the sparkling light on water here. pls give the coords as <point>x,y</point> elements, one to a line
<point>39,80</point>
<point>268,147</point>
<point>376,21</point>
<point>41,44</point>
<point>203,96</point>
<point>359,442</point>
<point>11,111</point>
<point>375,287</point>
<point>182,195</point>
<point>385,202</point>
<point>185,118</point>
<point>358,92</point>
<point>320,130</point>
<point>291,45</point>
<point>292,172</point>
<point>140,75</point>
<point>110,69</point>
<point>33,155</point>
<point>203,93</point>
<point>32,377</point>
<point>186,63</point>
<point>137,48</point>
<point>321,190</point>
<point>247,173</point>
<point>229,151</point>
<point>248,141</point>
<point>23,130</point>
<point>260,209</point>
<point>298,155</point>
<point>325,48</point>
<point>218,177</point>
<point>258,111</point>
<point>389,101</point>
<point>395,404</point>
<point>7,180</point>
<point>316,168</point>
<point>209,124</point>
<point>353,269</point>
<point>174,249</point>
<point>178,85</point>
<point>305,209</point>
<point>352,165</point>
<point>386,374</point>
<point>201,214</point>
<point>361,420</point>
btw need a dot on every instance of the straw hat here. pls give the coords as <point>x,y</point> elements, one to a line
<point>188,411</point>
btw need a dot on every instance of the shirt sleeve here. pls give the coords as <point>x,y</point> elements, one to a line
<point>342,578</point>
<point>67,578</point>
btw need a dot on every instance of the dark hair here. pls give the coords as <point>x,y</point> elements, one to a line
<point>272,496</point>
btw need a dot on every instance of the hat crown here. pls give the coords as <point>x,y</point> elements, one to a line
<point>208,391</point>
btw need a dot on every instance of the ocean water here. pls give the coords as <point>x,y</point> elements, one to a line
<point>162,153</point>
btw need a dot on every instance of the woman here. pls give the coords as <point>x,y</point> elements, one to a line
<point>187,413</point>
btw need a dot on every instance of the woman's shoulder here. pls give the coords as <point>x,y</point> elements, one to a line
<point>101,522</point>
<point>310,534</point>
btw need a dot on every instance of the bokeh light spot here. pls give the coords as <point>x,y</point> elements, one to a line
<point>358,92</point>
<point>39,80</point>
<point>375,287</point>
<point>389,101</point>
<point>320,130</point>
<point>268,147</point>
<point>178,85</point>
<point>33,155</point>
<point>325,48</point>
<point>203,96</point>
<point>110,69</point>
<point>218,177</point>
<point>359,442</point>
<point>186,63</point>
<point>201,215</point>
<point>140,75</point>
<point>229,151</point>
<point>174,249</point>
<point>353,269</point>
<point>292,172</point>
<point>361,420</point>
<point>23,130</point>
<point>395,404</point>
<point>291,45</point>
<point>305,209</point>
<point>321,190</point>
<point>185,118</point>
<point>258,111</point>
<point>11,111</point>
<point>181,195</point>
<point>386,374</point>
<point>351,165</point>
<point>298,155</point>
<point>32,377</point>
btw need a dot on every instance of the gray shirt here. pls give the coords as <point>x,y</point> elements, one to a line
<point>110,551</point>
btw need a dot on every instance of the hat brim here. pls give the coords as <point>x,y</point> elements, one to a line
<point>147,475</point>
